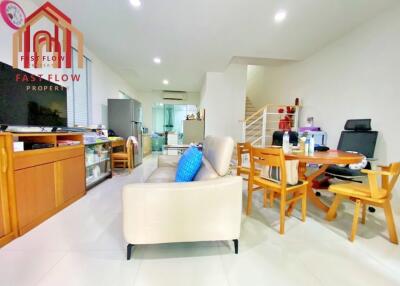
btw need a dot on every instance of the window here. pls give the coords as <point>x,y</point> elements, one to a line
<point>80,95</point>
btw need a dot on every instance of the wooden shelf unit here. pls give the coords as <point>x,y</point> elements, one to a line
<point>103,163</point>
<point>45,180</point>
<point>8,214</point>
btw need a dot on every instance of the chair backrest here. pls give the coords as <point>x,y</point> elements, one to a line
<point>389,183</point>
<point>129,147</point>
<point>218,151</point>
<point>358,137</point>
<point>242,149</point>
<point>277,138</point>
<point>390,175</point>
<point>273,157</point>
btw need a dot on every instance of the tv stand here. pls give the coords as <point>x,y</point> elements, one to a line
<point>46,180</point>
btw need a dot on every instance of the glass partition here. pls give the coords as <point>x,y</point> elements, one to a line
<point>169,117</point>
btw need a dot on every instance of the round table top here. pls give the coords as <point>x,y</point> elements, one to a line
<point>328,157</point>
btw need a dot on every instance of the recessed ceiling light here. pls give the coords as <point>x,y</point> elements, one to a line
<point>157,60</point>
<point>135,3</point>
<point>280,16</point>
<point>165,81</point>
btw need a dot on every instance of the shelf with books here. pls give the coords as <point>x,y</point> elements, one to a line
<point>97,162</point>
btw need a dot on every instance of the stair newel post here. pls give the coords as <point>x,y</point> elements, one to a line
<point>264,127</point>
<point>296,118</point>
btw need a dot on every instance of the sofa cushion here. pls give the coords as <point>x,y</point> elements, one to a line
<point>218,151</point>
<point>189,164</point>
<point>162,175</point>
<point>168,160</point>
<point>206,172</point>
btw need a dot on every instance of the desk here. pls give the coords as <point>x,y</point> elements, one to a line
<point>325,159</point>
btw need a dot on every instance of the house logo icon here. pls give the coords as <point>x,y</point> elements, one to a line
<point>29,44</point>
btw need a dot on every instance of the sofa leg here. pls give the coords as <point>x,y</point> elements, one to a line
<point>236,243</point>
<point>129,251</point>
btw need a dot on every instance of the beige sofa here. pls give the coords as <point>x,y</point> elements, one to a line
<point>207,209</point>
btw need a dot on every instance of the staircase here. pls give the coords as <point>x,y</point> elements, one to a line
<point>259,125</point>
<point>250,109</point>
<point>256,128</point>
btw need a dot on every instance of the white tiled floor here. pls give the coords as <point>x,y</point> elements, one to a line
<point>83,245</point>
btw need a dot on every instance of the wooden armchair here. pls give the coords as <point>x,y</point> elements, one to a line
<point>274,157</point>
<point>369,194</point>
<point>242,149</point>
<point>124,159</point>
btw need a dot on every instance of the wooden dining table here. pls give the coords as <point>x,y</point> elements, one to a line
<point>324,159</point>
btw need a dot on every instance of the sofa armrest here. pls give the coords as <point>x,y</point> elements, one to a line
<point>168,160</point>
<point>178,212</point>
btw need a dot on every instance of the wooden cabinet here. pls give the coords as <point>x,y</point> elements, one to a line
<point>70,186</point>
<point>47,180</point>
<point>8,221</point>
<point>36,184</point>
<point>147,149</point>
<point>4,211</point>
<point>35,195</point>
<point>193,131</point>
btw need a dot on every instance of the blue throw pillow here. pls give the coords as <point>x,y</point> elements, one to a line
<point>188,165</point>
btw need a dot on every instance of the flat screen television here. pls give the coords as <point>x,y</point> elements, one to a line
<point>28,100</point>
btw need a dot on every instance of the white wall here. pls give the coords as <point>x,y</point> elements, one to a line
<point>148,99</point>
<point>223,97</point>
<point>355,77</point>
<point>105,82</point>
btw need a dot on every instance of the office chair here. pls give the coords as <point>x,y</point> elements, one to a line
<point>277,138</point>
<point>357,136</point>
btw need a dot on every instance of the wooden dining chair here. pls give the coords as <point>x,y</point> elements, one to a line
<point>124,159</point>
<point>369,194</point>
<point>274,157</point>
<point>242,149</point>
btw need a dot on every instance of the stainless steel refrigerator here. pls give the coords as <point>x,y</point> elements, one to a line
<point>125,119</point>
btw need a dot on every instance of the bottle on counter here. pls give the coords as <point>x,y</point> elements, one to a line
<point>312,145</point>
<point>307,146</point>
<point>286,143</point>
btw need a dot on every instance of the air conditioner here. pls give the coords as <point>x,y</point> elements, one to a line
<point>173,95</point>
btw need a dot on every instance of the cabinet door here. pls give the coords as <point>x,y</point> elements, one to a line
<point>71,177</point>
<point>5,223</point>
<point>35,195</point>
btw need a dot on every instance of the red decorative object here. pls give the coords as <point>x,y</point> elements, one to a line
<point>285,122</point>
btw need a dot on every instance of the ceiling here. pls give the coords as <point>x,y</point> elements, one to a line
<point>193,37</point>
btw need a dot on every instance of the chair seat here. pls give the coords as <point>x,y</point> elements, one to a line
<point>244,170</point>
<point>336,170</point>
<point>120,155</point>
<point>357,190</point>
<point>277,187</point>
